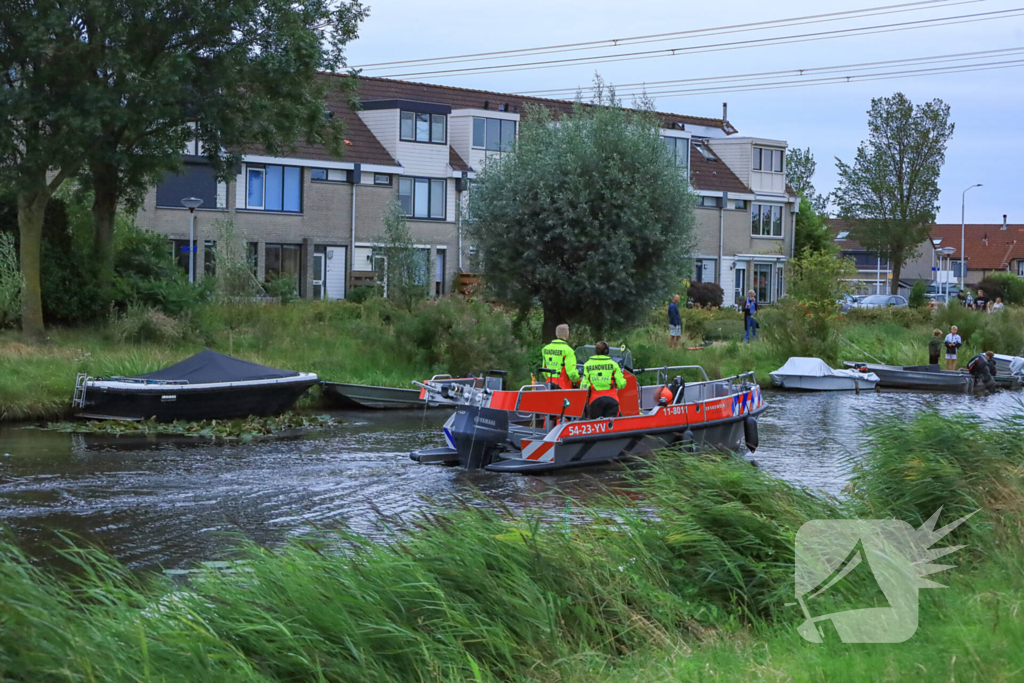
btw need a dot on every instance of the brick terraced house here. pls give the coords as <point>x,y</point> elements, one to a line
<point>318,217</point>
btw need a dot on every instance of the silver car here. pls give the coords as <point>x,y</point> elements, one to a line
<point>881,301</point>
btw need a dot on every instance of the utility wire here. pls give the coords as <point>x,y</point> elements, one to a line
<point>659,37</point>
<point>834,80</point>
<point>719,47</point>
<point>655,87</point>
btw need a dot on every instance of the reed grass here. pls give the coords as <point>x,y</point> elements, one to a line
<point>685,578</point>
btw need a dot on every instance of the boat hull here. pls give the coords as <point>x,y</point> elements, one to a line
<point>804,383</point>
<point>170,402</point>
<point>363,397</point>
<point>918,377</point>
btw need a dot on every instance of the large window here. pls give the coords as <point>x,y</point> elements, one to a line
<point>417,127</point>
<point>768,160</point>
<point>328,175</point>
<point>765,220</point>
<point>493,135</point>
<point>195,180</point>
<point>273,188</point>
<point>679,152</point>
<point>282,259</point>
<point>423,197</point>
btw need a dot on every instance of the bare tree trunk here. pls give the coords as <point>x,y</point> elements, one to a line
<point>897,268</point>
<point>31,210</point>
<point>552,319</point>
<point>104,211</point>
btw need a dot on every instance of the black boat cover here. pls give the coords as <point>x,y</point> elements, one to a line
<point>209,366</point>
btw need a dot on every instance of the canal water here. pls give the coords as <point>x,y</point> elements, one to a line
<point>172,502</point>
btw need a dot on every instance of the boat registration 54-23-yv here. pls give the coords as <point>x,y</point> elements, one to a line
<point>539,429</point>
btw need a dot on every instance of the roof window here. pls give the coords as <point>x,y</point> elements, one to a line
<point>842,235</point>
<point>705,152</point>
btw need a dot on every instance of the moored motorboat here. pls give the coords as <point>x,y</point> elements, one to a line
<point>540,429</point>
<point>365,397</point>
<point>814,374</point>
<point>924,377</point>
<point>206,386</point>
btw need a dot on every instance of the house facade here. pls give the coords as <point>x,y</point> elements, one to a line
<point>874,272</point>
<point>318,218</point>
<point>989,247</point>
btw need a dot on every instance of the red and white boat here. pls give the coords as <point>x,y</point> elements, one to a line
<point>537,428</point>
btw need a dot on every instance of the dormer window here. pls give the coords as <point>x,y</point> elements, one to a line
<point>419,127</point>
<point>768,160</point>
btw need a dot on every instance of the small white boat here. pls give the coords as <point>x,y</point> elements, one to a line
<point>814,374</point>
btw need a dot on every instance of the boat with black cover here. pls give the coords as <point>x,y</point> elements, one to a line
<point>206,386</point>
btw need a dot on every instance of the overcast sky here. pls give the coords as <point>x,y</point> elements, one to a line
<point>987,106</point>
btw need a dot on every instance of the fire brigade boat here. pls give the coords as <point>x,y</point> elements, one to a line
<point>537,429</point>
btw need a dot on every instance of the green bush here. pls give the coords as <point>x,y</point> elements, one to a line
<point>705,294</point>
<point>917,298</point>
<point>283,286</point>
<point>1005,285</point>
<point>360,294</point>
<point>145,274</point>
<point>967,321</point>
<point>140,323</point>
<point>1003,333</point>
<point>904,317</point>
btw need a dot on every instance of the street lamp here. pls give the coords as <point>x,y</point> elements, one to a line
<point>947,252</point>
<point>963,257</point>
<point>191,203</point>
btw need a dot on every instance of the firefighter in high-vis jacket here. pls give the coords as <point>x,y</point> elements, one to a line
<point>560,360</point>
<point>603,377</point>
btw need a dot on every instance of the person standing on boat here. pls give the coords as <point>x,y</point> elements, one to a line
<point>675,323</point>
<point>560,360</point>
<point>983,369</point>
<point>749,309</point>
<point>603,377</point>
<point>952,342</point>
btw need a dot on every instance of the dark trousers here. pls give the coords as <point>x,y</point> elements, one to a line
<point>603,406</point>
<point>933,359</point>
<point>983,380</point>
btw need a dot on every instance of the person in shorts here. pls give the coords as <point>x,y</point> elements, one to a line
<point>675,323</point>
<point>952,342</point>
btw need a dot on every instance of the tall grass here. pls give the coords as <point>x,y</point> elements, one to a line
<point>689,573</point>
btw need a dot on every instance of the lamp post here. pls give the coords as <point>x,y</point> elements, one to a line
<point>963,224</point>
<point>947,252</point>
<point>191,203</point>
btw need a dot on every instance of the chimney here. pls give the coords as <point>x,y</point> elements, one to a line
<point>1004,222</point>
<point>725,112</point>
<point>985,239</point>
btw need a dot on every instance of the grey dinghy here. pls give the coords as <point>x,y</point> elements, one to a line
<point>539,429</point>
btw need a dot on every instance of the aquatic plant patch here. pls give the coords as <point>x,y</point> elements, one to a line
<point>230,430</point>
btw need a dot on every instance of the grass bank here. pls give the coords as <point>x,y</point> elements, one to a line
<point>376,343</point>
<point>686,578</point>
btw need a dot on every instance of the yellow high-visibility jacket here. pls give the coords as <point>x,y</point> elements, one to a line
<point>557,355</point>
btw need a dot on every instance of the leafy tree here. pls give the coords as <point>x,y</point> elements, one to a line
<point>811,232</point>
<point>587,217</point>
<point>121,85</point>
<point>891,190</point>
<point>800,167</point>
<point>403,269</point>
<point>918,295</point>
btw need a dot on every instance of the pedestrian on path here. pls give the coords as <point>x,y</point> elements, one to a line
<point>749,321</point>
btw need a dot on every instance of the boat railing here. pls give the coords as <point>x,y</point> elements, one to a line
<point>663,371</point>
<point>136,380</point>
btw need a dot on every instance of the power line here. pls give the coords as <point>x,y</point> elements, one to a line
<point>836,80</point>
<point>719,47</point>
<point>659,37</point>
<point>656,87</point>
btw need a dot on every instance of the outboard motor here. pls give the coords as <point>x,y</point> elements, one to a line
<point>477,434</point>
<point>750,433</point>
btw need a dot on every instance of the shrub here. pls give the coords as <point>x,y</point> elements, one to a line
<point>10,281</point>
<point>917,298</point>
<point>904,317</point>
<point>705,294</point>
<point>1002,333</point>
<point>141,324</point>
<point>146,275</point>
<point>235,270</point>
<point>360,294</point>
<point>967,321</point>
<point>1005,285</point>
<point>284,286</point>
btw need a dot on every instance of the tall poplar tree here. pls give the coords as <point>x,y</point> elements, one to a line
<point>891,191</point>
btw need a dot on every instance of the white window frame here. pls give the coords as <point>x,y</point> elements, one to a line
<point>263,184</point>
<point>416,181</point>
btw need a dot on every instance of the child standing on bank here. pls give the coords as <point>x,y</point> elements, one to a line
<point>952,342</point>
<point>935,347</point>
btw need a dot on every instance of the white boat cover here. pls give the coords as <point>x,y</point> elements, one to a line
<point>816,367</point>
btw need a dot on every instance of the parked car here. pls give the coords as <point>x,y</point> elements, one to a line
<point>847,302</point>
<point>881,301</point>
